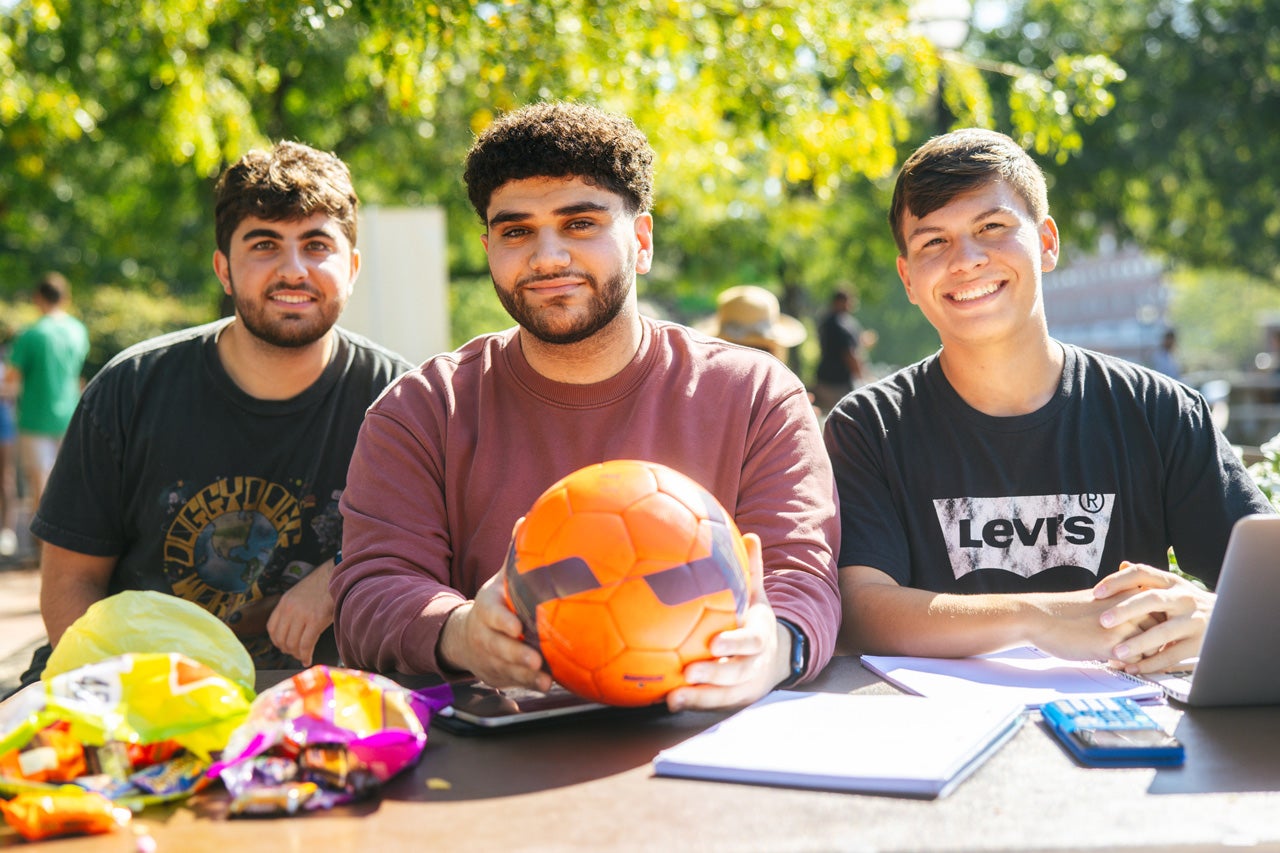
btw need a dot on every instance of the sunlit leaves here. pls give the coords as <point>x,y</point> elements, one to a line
<point>765,115</point>
<point>1187,159</point>
<point>801,92</point>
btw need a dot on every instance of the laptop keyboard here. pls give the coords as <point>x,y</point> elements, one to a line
<point>1176,684</point>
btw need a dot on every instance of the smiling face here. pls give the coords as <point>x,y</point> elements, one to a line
<point>973,266</point>
<point>564,255</point>
<point>289,279</point>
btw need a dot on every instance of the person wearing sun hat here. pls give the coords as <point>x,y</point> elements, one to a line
<point>751,316</point>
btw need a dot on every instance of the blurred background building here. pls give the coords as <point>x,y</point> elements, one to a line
<point>1114,300</point>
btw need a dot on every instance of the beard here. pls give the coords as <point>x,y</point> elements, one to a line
<point>290,332</point>
<point>549,323</point>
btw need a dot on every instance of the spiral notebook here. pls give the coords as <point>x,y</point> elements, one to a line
<point>1025,674</point>
<point>890,745</point>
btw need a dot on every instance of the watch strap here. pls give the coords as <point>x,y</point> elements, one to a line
<point>799,654</point>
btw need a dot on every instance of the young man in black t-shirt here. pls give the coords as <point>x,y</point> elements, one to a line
<point>1013,489</point>
<point>208,463</point>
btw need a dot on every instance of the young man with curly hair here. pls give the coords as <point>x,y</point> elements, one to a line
<point>456,451</point>
<point>1010,488</point>
<point>208,463</point>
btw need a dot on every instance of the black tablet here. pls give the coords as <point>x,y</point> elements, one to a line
<point>477,707</point>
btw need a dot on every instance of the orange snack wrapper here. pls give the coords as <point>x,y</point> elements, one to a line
<point>66,811</point>
<point>52,755</point>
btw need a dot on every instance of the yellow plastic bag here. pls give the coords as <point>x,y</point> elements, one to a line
<point>146,621</point>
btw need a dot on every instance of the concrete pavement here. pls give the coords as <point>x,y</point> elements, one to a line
<point>21,629</point>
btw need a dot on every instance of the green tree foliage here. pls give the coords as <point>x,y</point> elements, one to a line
<point>122,316</point>
<point>777,122</point>
<point>1188,162</point>
<point>1219,315</point>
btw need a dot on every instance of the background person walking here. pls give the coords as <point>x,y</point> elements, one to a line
<point>841,344</point>
<point>44,373</point>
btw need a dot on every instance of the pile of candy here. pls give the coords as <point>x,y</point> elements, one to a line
<point>116,769</point>
<point>324,737</point>
<point>119,722</point>
<point>128,731</point>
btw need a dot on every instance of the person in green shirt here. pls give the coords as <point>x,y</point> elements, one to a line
<point>44,370</point>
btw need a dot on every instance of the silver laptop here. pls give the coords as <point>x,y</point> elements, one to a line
<point>1240,657</point>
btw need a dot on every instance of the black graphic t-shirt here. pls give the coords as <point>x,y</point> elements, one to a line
<point>202,491</point>
<point>1121,464</point>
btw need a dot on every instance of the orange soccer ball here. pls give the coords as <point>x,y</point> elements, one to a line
<point>622,573</point>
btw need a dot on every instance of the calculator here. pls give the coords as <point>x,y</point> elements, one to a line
<point>1111,732</point>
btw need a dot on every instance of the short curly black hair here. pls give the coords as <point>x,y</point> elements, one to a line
<point>290,182</point>
<point>558,139</point>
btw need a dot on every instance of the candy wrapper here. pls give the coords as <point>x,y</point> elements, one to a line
<point>137,728</point>
<point>324,737</point>
<point>67,811</point>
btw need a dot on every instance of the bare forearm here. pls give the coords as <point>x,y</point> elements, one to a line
<point>11,384</point>
<point>70,583</point>
<point>886,619</point>
<point>65,601</point>
<point>853,364</point>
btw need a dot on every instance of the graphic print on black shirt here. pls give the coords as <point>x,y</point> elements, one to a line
<point>1025,534</point>
<point>226,542</point>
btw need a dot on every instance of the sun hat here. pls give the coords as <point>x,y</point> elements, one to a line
<point>751,316</point>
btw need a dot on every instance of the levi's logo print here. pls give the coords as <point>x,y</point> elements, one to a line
<point>1025,534</point>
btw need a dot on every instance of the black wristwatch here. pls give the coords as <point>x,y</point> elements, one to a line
<point>799,654</point>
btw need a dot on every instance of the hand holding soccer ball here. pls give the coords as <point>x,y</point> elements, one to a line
<point>621,574</point>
